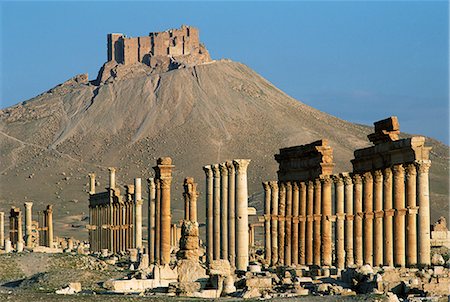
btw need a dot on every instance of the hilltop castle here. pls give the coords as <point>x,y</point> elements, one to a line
<point>171,43</point>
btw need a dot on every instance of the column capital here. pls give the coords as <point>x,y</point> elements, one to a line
<point>139,202</point>
<point>326,180</point>
<point>230,166</point>
<point>302,185</point>
<point>223,169</point>
<point>338,180</point>
<point>387,173</point>
<point>347,179</point>
<point>266,186</point>
<point>273,185</point>
<point>310,184</point>
<point>423,166</point>
<point>208,171</point>
<point>398,170</point>
<point>295,186</point>
<point>151,182</point>
<point>367,177</point>
<point>317,182</point>
<point>112,169</point>
<point>357,180</point>
<point>28,204</point>
<point>288,185</point>
<point>410,170</point>
<point>215,170</point>
<point>241,165</point>
<point>377,176</point>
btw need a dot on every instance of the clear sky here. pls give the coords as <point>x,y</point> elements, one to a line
<point>360,61</point>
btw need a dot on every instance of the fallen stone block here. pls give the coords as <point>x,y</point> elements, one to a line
<point>259,282</point>
<point>72,288</point>
<point>220,267</point>
<point>190,271</point>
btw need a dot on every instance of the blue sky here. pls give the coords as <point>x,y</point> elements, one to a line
<point>360,61</point>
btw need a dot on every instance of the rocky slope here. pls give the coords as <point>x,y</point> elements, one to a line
<point>197,115</point>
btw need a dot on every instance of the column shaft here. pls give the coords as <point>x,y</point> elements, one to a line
<point>223,211</point>
<point>28,224</point>
<point>216,210</point>
<point>326,222</point>
<point>295,214</point>
<point>388,238</point>
<point>138,212</point>
<point>378,214</point>
<point>317,222</point>
<point>411,218</point>
<point>302,224</point>
<point>157,220</point>
<point>288,226</point>
<point>151,220</point>
<point>274,221</point>
<point>50,225</point>
<point>232,213</point>
<point>399,218</point>
<point>368,218</point>
<point>423,196</point>
<point>267,244</point>
<point>358,223</point>
<point>309,248</point>
<point>281,222</point>
<point>241,214</point>
<point>340,215</point>
<point>348,204</point>
<point>209,213</point>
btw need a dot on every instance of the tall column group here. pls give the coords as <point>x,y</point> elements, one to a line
<point>226,212</point>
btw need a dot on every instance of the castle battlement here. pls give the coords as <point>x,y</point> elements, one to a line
<point>174,42</point>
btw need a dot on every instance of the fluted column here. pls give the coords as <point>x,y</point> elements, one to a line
<point>91,183</point>
<point>317,222</point>
<point>388,227</point>
<point>288,225</point>
<point>267,244</point>
<point>378,214</point>
<point>223,211</point>
<point>295,220</point>
<point>348,205</point>
<point>368,218</point>
<point>411,218</point>
<point>28,224</point>
<point>274,222</point>
<point>157,220</point>
<point>2,229</point>
<point>358,223</point>
<point>309,245</point>
<point>49,214</point>
<point>232,213</point>
<point>281,222</point>
<point>302,223</point>
<point>423,198</point>
<point>151,219</point>
<point>399,218</point>
<point>216,211</point>
<point>326,244</point>
<point>165,167</point>
<point>241,213</point>
<point>340,217</point>
<point>138,212</point>
<point>209,212</point>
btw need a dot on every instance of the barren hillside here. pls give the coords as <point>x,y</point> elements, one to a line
<point>197,115</point>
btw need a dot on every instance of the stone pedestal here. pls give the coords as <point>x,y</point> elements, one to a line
<point>326,222</point>
<point>388,227</point>
<point>241,213</point>
<point>28,224</point>
<point>368,217</point>
<point>209,212</point>
<point>378,218</point>
<point>349,218</point>
<point>216,211</point>
<point>232,213</point>
<point>267,244</point>
<point>274,222</point>
<point>399,218</point>
<point>358,222</point>
<point>423,198</point>
<point>223,211</point>
<point>138,212</point>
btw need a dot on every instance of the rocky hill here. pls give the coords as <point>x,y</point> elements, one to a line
<point>198,115</point>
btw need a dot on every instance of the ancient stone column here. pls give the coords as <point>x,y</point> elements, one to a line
<point>411,218</point>
<point>326,244</point>
<point>295,220</point>
<point>91,183</point>
<point>223,211</point>
<point>186,201</point>
<point>309,252</point>
<point>157,220</point>
<point>241,213</point>
<point>368,218</point>
<point>388,237</point>
<point>28,224</point>
<point>49,214</point>
<point>251,235</point>
<point>209,213</point>
<point>216,211</point>
<point>340,217</point>
<point>288,225</point>
<point>231,214</point>
<point>112,178</point>
<point>151,219</point>
<point>399,218</point>
<point>348,205</point>
<point>423,198</point>
<point>274,221</point>
<point>302,224</point>
<point>358,223</point>
<point>193,203</point>
<point>267,245</point>
<point>8,246</point>
<point>2,229</point>
<point>164,173</point>
<point>138,212</point>
<point>281,222</point>
<point>378,214</point>
<point>317,238</point>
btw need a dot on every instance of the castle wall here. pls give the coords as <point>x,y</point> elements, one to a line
<point>144,47</point>
<point>130,50</point>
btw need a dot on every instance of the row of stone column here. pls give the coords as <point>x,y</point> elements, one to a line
<point>227,212</point>
<point>45,229</point>
<point>159,213</point>
<point>371,219</point>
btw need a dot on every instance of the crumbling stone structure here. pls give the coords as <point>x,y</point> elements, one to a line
<point>115,222</point>
<point>374,206</point>
<point>44,229</point>
<point>227,212</point>
<point>15,226</point>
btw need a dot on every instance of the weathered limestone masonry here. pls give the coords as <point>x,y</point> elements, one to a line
<point>45,227</point>
<point>174,42</point>
<point>304,184</point>
<point>386,163</point>
<point>112,217</point>
<point>227,212</point>
<point>163,176</point>
<point>376,207</point>
<point>15,226</point>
